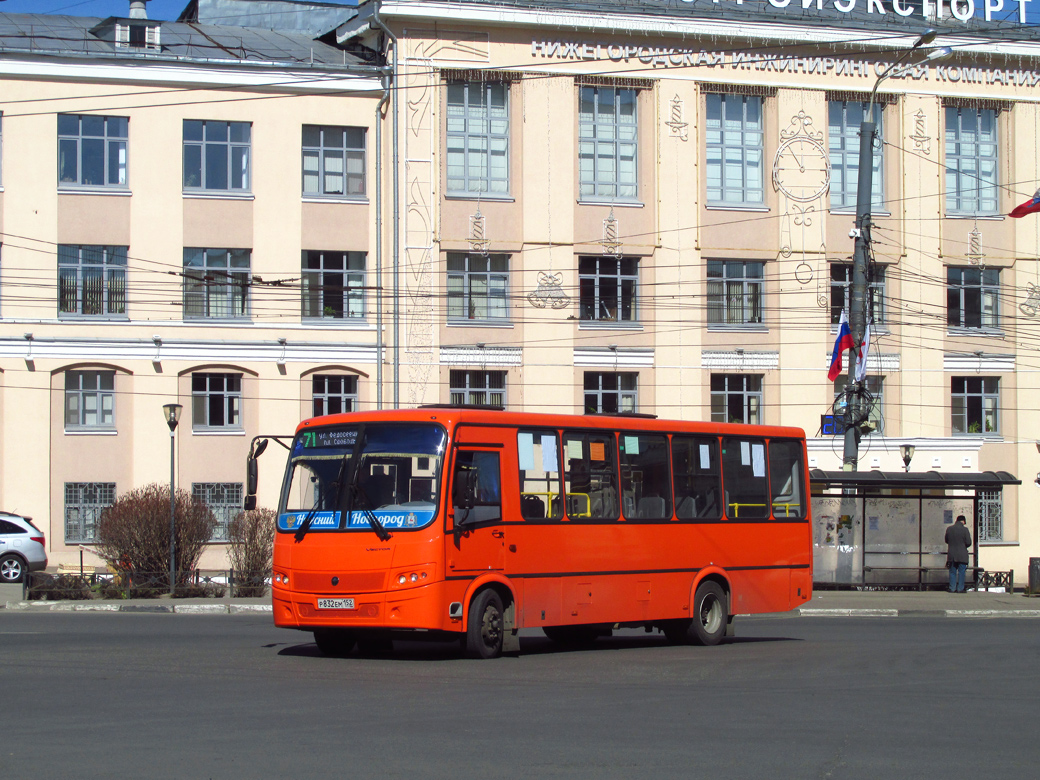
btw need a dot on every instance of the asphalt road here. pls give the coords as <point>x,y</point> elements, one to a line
<point>179,696</point>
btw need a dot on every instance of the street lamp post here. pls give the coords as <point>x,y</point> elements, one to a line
<point>861,233</point>
<point>172,413</point>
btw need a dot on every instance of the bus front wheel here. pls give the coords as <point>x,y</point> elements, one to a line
<point>334,642</point>
<point>484,633</point>
<point>710,614</point>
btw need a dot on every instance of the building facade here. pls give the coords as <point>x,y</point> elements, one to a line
<point>647,206</point>
<point>187,216</point>
<point>570,206</point>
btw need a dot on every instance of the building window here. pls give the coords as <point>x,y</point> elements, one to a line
<point>137,36</point>
<point>477,388</point>
<point>92,150</point>
<point>333,285</point>
<point>975,403</point>
<point>736,398</point>
<point>224,499</point>
<point>478,138</point>
<point>216,401</point>
<point>991,516</point>
<point>91,281</point>
<point>607,393</point>
<point>972,297</point>
<point>841,289</point>
<point>971,160</point>
<point>90,399</point>
<point>607,288</point>
<point>845,118</point>
<point>735,292</point>
<point>334,394</point>
<point>333,161</point>
<point>607,141</point>
<point>735,150</point>
<point>216,283</point>
<point>872,402</point>
<point>84,503</point>
<point>216,156</point>
<point>477,286</point>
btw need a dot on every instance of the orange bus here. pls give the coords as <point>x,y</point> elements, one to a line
<point>473,523</point>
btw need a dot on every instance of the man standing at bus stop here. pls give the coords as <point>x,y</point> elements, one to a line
<point>958,540</point>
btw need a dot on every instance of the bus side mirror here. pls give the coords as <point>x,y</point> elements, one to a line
<point>252,477</point>
<point>464,489</point>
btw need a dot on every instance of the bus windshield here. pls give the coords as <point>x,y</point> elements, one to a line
<point>397,476</point>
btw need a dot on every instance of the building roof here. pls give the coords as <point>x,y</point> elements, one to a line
<point>44,34</point>
<point>1004,25</point>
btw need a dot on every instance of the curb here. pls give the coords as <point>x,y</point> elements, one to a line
<point>919,613</point>
<point>179,609</point>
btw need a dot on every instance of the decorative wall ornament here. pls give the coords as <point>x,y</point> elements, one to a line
<point>549,293</point>
<point>801,167</point>
<point>975,254</point>
<point>611,244</point>
<point>477,236</point>
<point>1032,302</point>
<point>922,141</point>
<point>678,127</point>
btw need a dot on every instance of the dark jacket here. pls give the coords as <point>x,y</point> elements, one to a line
<point>958,540</point>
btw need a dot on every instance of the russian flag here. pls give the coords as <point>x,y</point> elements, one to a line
<point>842,343</point>
<point>1029,207</point>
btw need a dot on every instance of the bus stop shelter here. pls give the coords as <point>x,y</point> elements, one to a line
<point>887,529</point>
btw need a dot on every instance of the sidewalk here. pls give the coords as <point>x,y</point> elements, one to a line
<point>11,598</point>
<point>824,603</point>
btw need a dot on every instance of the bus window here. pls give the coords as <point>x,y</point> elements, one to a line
<point>485,502</point>
<point>645,492</point>
<point>695,460</point>
<point>539,456</point>
<point>785,479</point>
<point>744,478</point>
<point>591,475</point>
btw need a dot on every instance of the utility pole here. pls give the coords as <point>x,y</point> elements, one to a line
<point>858,292</point>
<point>861,254</point>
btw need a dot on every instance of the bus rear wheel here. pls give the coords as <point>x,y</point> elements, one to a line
<point>484,633</point>
<point>334,642</point>
<point>710,614</point>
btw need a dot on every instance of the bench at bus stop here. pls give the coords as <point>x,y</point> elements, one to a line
<point>919,576</point>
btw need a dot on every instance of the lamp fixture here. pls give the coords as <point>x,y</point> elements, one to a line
<point>907,451</point>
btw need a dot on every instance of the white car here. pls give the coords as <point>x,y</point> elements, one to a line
<point>22,547</point>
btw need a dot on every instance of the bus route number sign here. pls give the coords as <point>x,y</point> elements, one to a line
<point>326,437</point>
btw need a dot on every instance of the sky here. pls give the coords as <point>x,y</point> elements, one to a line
<point>167,10</point>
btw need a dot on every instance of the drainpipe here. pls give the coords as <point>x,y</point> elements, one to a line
<point>379,241</point>
<point>395,158</point>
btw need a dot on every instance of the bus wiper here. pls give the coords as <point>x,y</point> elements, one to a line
<point>319,502</point>
<point>356,491</point>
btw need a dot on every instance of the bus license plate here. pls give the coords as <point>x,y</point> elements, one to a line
<point>335,603</point>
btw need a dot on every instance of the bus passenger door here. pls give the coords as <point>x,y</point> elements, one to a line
<point>476,535</point>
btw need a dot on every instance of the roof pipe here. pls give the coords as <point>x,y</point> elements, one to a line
<point>396,222</point>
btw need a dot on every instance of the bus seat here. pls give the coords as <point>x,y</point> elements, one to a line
<point>686,509</point>
<point>628,505</point>
<point>604,503</point>
<point>651,507</point>
<point>532,508</point>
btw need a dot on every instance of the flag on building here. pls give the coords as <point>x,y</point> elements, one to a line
<point>861,355</point>
<point>1031,206</point>
<point>842,343</point>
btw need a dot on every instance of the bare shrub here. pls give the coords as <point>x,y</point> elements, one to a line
<point>133,534</point>
<point>252,549</point>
